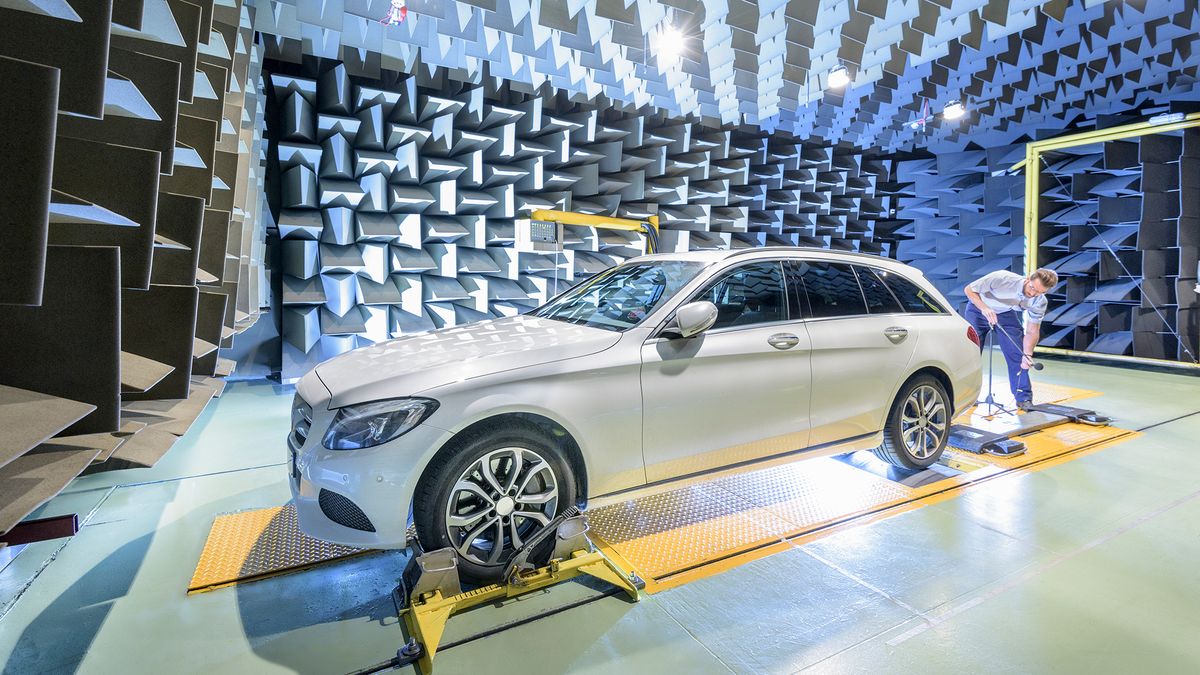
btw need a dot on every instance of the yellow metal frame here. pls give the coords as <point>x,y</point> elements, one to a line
<point>1033,191</point>
<point>426,618</point>
<point>605,222</point>
<point>572,218</point>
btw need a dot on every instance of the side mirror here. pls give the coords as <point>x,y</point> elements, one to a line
<point>691,320</point>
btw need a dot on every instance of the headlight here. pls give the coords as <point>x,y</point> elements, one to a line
<point>369,424</point>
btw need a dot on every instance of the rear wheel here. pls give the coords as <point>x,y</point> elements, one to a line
<point>918,425</point>
<point>489,494</point>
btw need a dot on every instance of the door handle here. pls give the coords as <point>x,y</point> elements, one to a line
<point>783,341</point>
<point>896,333</point>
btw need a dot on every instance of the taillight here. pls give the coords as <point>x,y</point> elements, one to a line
<point>973,336</point>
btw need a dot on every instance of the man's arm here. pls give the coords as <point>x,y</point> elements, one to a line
<point>1032,333</point>
<point>980,304</point>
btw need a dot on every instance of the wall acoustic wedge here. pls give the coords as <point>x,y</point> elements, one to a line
<point>131,193</point>
<point>33,478</point>
<point>194,159</point>
<point>128,13</point>
<point>28,418</point>
<point>177,239</point>
<point>141,105</point>
<point>77,48</point>
<point>397,198</point>
<point>160,324</point>
<point>70,346</point>
<point>213,243</point>
<point>26,163</point>
<point>210,328</point>
<point>177,41</point>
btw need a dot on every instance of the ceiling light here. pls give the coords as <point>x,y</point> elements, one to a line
<point>954,110</point>
<point>838,77</point>
<point>1167,118</point>
<point>670,42</point>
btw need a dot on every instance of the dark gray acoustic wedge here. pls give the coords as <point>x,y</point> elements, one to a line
<point>210,330</point>
<point>177,239</point>
<point>70,346</point>
<point>124,203</point>
<point>131,178</point>
<point>28,418</point>
<point>160,324</point>
<point>26,164</point>
<point>72,37</point>
<point>33,478</point>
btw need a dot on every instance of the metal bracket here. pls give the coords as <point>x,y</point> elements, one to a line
<point>429,572</point>
<point>429,592</point>
<point>571,536</point>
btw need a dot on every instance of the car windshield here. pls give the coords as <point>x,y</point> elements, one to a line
<point>620,298</point>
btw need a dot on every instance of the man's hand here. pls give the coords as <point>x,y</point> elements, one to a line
<point>1026,362</point>
<point>988,312</point>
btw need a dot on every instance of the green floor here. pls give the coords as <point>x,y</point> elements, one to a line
<point>1089,566</point>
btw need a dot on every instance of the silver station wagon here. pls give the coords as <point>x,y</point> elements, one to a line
<point>666,366</point>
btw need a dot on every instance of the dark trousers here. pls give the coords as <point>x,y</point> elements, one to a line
<point>1013,350</point>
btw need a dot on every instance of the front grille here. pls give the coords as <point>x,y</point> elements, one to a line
<point>301,421</point>
<point>342,511</point>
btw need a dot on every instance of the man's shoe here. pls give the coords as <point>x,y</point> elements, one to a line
<point>1024,405</point>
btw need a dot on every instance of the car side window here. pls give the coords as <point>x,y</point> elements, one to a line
<point>879,299</point>
<point>911,296</point>
<point>748,295</point>
<point>832,289</point>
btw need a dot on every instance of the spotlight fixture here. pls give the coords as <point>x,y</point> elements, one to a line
<point>954,110</point>
<point>839,77</point>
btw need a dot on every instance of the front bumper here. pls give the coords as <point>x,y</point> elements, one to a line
<point>379,482</point>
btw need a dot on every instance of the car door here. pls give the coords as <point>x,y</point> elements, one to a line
<point>738,391</point>
<point>862,342</point>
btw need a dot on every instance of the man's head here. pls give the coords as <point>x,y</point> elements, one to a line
<point>1040,282</point>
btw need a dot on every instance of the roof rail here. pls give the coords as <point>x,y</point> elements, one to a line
<point>806,249</point>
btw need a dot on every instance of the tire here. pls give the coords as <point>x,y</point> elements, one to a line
<point>458,505</point>
<point>918,425</point>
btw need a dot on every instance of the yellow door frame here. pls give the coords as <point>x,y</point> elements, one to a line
<point>1033,191</point>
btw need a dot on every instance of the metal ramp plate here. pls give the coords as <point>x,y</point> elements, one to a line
<point>669,532</point>
<point>258,544</point>
<point>678,535</point>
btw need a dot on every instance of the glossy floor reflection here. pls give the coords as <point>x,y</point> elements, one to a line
<point>1088,566</point>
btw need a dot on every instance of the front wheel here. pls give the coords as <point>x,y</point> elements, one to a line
<point>918,425</point>
<point>489,494</point>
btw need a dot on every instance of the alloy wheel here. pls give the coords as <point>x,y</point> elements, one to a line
<point>498,502</point>
<point>923,421</point>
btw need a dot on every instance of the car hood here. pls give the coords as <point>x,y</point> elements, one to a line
<point>409,365</point>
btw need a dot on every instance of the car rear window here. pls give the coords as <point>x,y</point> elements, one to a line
<point>831,288</point>
<point>910,295</point>
<point>879,299</point>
